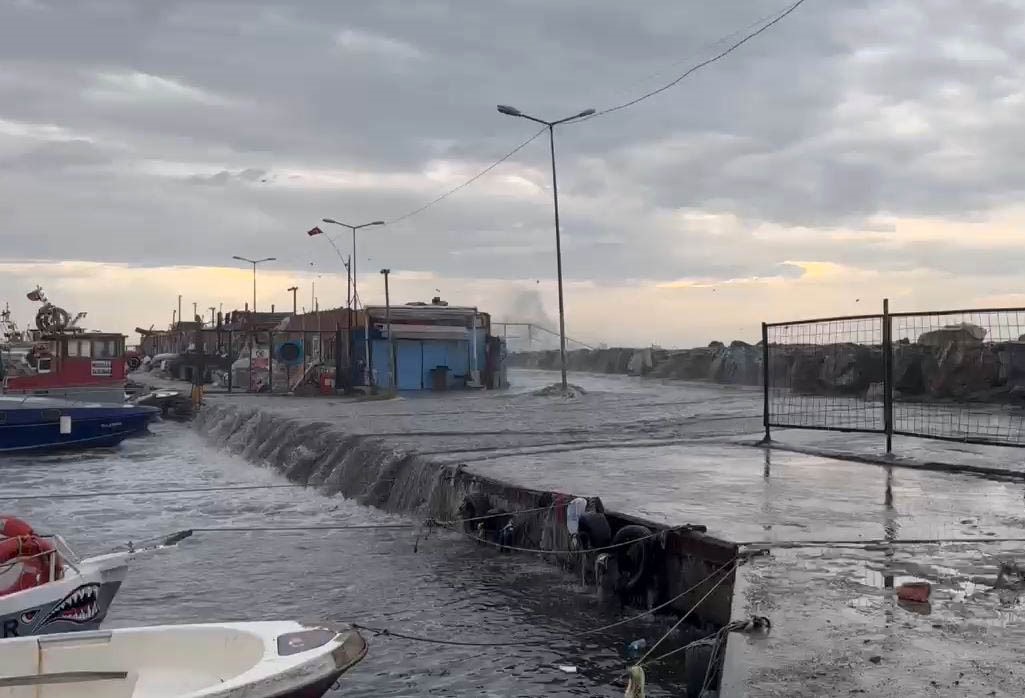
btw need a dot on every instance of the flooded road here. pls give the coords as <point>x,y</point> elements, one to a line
<point>450,589</point>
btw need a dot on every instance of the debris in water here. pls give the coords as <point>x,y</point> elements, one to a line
<point>568,668</point>
<point>635,648</point>
<point>916,592</point>
<point>876,659</point>
<point>555,390</point>
<point>635,687</point>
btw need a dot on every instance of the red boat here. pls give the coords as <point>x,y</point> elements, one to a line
<point>60,360</point>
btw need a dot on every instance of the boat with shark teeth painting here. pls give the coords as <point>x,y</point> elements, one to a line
<point>45,588</point>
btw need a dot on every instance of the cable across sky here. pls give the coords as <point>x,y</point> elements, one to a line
<point>775,19</point>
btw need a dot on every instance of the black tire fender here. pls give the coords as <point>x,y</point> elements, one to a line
<point>632,559</point>
<point>474,505</point>
<point>593,531</point>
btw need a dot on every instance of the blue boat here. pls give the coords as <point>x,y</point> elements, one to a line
<point>36,424</point>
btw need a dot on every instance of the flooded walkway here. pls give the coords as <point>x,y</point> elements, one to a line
<point>681,453</point>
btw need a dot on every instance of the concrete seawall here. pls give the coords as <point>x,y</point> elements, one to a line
<point>381,474</point>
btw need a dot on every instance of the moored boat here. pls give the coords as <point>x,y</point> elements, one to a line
<point>268,659</point>
<point>46,588</point>
<point>36,424</point>
<point>60,359</point>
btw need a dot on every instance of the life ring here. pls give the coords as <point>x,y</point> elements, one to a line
<point>12,526</point>
<point>632,559</point>
<point>593,530</point>
<point>32,555</point>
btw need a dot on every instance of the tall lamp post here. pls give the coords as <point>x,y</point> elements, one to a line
<point>352,271</point>
<point>293,290</point>
<point>513,111</point>
<point>254,262</point>
<point>391,340</point>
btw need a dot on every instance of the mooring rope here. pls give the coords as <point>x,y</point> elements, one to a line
<point>579,551</point>
<point>128,493</point>
<point>591,631</point>
<point>873,543</point>
<point>641,662</point>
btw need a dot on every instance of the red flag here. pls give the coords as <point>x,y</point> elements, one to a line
<point>314,231</point>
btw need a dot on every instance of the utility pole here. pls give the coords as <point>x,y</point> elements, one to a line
<point>174,316</point>
<point>294,290</point>
<point>254,262</point>
<point>195,310</point>
<point>513,111</point>
<point>391,339</point>
<point>179,309</point>
<point>212,309</point>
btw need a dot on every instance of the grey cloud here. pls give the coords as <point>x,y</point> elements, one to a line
<point>840,113</point>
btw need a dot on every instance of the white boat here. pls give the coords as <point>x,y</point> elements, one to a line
<point>273,659</point>
<point>78,599</point>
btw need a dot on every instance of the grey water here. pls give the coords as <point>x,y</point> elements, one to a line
<point>449,589</point>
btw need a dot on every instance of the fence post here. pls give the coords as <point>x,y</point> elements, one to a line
<point>765,382</point>
<point>888,375</point>
<point>230,361</point>
<point>270,362</point>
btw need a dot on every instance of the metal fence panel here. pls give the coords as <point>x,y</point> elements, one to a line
<point>955,375</point>
<point>826,374</point>
<point>960,375</point>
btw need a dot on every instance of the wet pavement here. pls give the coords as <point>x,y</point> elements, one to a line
<point>682,452</point>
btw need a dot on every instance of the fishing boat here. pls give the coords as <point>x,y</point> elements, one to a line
<point>37,424</point>
<point>268,659</point>
<point>46,588</point>
<point>60,359</point>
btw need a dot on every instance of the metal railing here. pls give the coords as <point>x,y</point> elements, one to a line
<point>954,375</point>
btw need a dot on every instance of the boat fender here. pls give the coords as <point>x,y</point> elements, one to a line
<point>573,511</point>
<point>506,536</point>
<point>593,530</point>
<point>632,559</point>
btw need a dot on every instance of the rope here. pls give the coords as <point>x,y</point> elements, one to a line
<point>506,643</point>
<point>323,527</point>
<point>85,495</point>
<point>876,542</point>
<point>660,606</point>
<point>581,551</point>
<point>686,615</point>
<point>436,641</point>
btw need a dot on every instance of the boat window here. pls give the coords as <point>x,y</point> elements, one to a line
<point>3,417</point>
<point>44,365</point>
<point>104,348</point>
<point>79,347</point>
<point>50,415</point>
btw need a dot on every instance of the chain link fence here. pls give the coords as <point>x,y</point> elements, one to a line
<point>955,375</point>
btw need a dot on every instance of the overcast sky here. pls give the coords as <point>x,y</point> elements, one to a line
<point>856,149</point>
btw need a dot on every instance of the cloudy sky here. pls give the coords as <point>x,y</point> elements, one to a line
<point>856,150</point>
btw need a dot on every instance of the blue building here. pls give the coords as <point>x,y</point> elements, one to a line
<point>437,347</point>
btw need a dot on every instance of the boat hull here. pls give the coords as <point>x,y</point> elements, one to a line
<point>39,428</point>
<point>75,603</point>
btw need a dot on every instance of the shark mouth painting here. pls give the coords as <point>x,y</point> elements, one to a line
<point>80,606</point>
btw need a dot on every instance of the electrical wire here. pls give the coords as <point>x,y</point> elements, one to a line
<point>129,493</point>
<point>470,181</point>
<point>693,69</point>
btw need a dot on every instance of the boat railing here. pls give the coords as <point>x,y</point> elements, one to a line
<point>61,550</point>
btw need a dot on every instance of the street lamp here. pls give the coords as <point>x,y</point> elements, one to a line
<point>352,270</point>
<point>513,111</point>
<point>254,262</point>
<point>391,338</point>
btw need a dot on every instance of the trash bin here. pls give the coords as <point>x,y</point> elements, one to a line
<point>439,378</point>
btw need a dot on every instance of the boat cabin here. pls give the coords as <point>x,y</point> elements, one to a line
<point>63,363</point>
